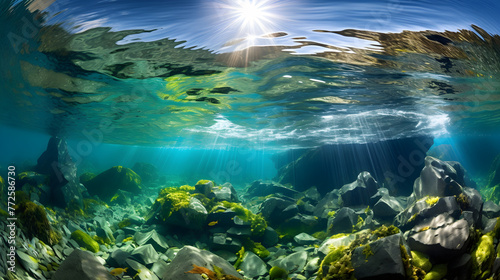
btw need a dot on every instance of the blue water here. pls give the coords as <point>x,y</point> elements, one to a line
<point>201,89</point>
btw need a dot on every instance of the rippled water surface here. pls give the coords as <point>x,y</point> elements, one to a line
<point>260,73</point>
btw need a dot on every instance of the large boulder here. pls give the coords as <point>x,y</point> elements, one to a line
<point>441,240</point>
<point>387,207</point>
<point>56,163</point>
<point>265,188</point>
<point>381,259</point>
<point>189,256</point>
<point>438,178</point>
<point>343,221</point>
<point>332,166</point>
<point>272,209</point>
<point>82,265</point>
<point>359,192</point>
<point>106,184</point>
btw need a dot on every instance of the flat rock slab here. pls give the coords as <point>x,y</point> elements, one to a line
<point>82,265</point>
<point>443,242</point>
<point>189,255</point>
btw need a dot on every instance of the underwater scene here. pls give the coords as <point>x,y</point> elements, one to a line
<point>249,139</point>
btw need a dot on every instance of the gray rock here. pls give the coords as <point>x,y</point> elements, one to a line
<point>226,192</point>
<point>117,258</point>
<point>312,194</point>
<point>488,224</point>
<point>377,196</point>
<point>152,237</point>
<point>290,211</point>
<point>312,265</point>
<point>359,191</point>
<point>188,256</point>
<point>82,265</point>
<point>385,263</point>
<point>491,209</point>
<point>228,256</point>
<point>272,209</point>
<point>192,217</point>
<point>474,204</point>
<point>438,178</point>
<point>442,243</point>
<point>305,239</point>
<point>343,221</point>
<point>422,210</point>
<point>292,263</point>
<point>328,203</point>
<point>159,268</point>
<point>205,189</point>
<point>56,162</point>
<point>270,237</point>
<point>252,265</point>
<point>145,254</point>
<point>387,207</point>
<point>28,262</point>
<point>142,272</point>
<point>221,241</point>
<point>240,231</point>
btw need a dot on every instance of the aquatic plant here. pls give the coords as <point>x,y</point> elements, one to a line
<point>240,254</point>
<point>33,219</point>
<point>420,260</point>
<point>255,247</point>
<point>339,265</point>
<point>277,272</point>
<point>412,272</point>
<point>483,257</point>
<point>85,241</point>
<point>437,272</point>
<point>367,251</point>
<point>431,200</point>
<point>384,231</point>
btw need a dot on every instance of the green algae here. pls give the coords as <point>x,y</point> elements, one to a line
<point>278,273</point>
<point>85,241</point>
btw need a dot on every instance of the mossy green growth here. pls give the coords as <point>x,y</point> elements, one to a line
<point>85,241</point>
<point>203,182</point>
<point>33,219</point>
<point>420,260</point>
<point>124,223</point>
<point>412,272</point>
<point>172,201</point>
<point>339,265</point>
<point>258,225</point>
<point>438,272</point>
<point>431,200</point>
<point>483,257</point>
<point>240,211</point>
<point>384,231</point>
<point>367,251</point>
<point>256,247</point>
<point>240,254</point>
<point>331,214</point>
<point>277,272</point>
<point>321,235</point>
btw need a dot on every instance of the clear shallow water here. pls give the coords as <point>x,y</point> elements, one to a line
<point>163,74</point>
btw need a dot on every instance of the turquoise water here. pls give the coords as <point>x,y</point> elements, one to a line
<point>272,133</point>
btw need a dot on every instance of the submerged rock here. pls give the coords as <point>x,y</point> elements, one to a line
<point>438,178</point>
<point>83,266</point>
<point>381,259</point>
<point>106,184</point>
<point>442,241</point>
<point>332,166</point>
<point>56,162</point>
<point>359,191</point>
<point>252,265</point>
<point>189,256</point>
<point>263,188</point>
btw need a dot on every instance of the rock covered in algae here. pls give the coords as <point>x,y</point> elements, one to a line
<point>85,241</point>
<point>106,184</point>
<point>33,219</point>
